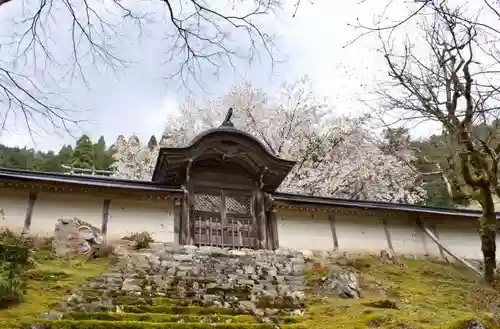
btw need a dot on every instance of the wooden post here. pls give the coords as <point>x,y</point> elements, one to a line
<point>261,220</point>
<point>29,212</point>
<point>177,220</point>
<point>333,229</point>
<point>184,227</point>
<point>105,216</point>
<point>388,236</point>
<point>274,242</point>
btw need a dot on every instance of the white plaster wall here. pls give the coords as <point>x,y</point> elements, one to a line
<point>129,216</point>
<point>430,247</point>
<point>13,205</point>
<point>304,230</point>
<point>360,234</point>
<point>407,237</point>
<point>460,236</point>
<point>49,207</point>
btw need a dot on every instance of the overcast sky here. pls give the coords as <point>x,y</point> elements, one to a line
<point>139,99</point>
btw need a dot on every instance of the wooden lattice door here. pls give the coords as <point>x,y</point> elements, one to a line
<point>224,219</point>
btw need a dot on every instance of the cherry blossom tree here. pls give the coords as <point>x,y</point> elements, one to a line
<point>132,160</point>
<point>336,156</point>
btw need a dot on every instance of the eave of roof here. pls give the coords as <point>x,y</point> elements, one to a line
<point>334,202</point>
<point>97,181</point>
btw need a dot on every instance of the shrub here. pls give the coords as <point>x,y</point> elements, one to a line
<point>10,237</point>
<point>15,257</point>
<point>141,239</point>
<point>11,289</point>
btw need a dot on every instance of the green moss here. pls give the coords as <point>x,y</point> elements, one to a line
<point>314,274</point>
<point>468,322</point>
<point>157,317</point>
<point>428,295</point>
<point>381,303</point>
<point>96,324</point>
<point>49,282</point>
<point>193,310</point>
<point>160,301</point>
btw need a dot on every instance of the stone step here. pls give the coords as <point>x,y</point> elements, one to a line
<point>186,310</point>
<point>93,324</point>
<point>158,317</point>
<point>88,301</point>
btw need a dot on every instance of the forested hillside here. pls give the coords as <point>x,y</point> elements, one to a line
<point>85,153</point>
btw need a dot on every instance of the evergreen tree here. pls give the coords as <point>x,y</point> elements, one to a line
<point>152,143</point>
<point>83,156</point>
<point>100,153</point>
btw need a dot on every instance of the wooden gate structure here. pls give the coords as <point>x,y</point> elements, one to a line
<point>227,176</point>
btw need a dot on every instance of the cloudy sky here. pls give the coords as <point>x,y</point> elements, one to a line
<point>138,99</point>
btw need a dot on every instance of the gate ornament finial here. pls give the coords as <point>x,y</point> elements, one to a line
<point>227,121</point>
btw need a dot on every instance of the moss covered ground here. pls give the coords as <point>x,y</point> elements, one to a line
<point>414,294</point>
<point>411,295</point>
<point>49,282</point>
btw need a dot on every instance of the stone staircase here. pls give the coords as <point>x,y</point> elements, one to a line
<point>189,288</point>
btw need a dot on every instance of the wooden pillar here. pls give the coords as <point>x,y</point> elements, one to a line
<point>260,215</point>
<point>388,236</point>
<point>177,220</point>
<point>105,216</point>
<point>185,225</point>
<point>274,242</point>
<point>333,229</point>
<point>29,212</point>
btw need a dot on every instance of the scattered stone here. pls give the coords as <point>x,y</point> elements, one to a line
<point>474,324</point>
<point>342,282</point>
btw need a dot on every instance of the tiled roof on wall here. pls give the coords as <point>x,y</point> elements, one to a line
<point>297,199</point>
<point>292,199</point>
<point>99,181</point>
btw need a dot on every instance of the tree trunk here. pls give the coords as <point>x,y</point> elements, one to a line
<point>487,230</point>
<point>479,180</point>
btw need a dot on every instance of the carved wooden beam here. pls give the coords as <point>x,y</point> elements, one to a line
<point>340,210</point>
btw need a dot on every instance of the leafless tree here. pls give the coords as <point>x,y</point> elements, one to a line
<point>200,34</point>
<point>448,78</point>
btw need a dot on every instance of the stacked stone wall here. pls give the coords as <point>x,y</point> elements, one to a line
<point>262,282</point>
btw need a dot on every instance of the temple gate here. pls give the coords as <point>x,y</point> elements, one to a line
<point>226,175</point>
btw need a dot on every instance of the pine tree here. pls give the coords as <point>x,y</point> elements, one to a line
<point>152,143</point>
<point>83,156</point>
<point>100,154</point>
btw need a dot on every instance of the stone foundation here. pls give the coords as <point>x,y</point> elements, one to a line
<point>260,282</point>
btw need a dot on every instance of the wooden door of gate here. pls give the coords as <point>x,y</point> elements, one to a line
<point>224,218</point>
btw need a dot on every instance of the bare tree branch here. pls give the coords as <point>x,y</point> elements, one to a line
<point>448,82</point>
<point>201,37</point>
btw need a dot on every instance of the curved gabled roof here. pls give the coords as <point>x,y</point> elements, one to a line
<point>172,162</point>
<point>230,130</point>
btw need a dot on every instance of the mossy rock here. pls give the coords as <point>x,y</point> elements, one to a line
<point>97,324</point>
<point>472,323</point>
